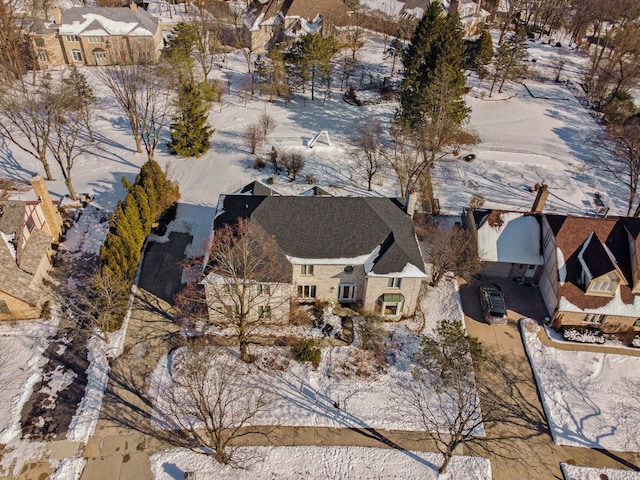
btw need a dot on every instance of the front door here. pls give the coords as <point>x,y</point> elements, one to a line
<point>346,292</point>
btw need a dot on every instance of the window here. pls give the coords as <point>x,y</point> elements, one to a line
<point>346,292</point>
<point>39,42</point>
<point>141,40</point>
<point>264,311</point>
<point>4,308</point>
<point>143,55</point>
<point>30,224</point>
<point>603,286</point>
<point>389,304</point>
<point>96,39</point>
<point>394,282</point>
<point>101,57</point>
<point>636,323</point>
<point>77,55</point>
<point>73,38</point>
<point>595,318</point>
<point>262,289</point>
<point>306,269</point>
<point>233,310</point>
<point>307,291</point>
<point>42,56</point>
<point>231,289</point>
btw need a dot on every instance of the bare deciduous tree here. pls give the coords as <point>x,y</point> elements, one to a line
<point>293,163</point>
<point>267,124</point>
<point>101,303</point>
<point>253,135</point>
<point>448,250</point>
<point>442,401</point>
<point>210,401</point>
<point>243,283</point>
<point>145,99</point>
<point>367,154</point>
<point>26,116</point>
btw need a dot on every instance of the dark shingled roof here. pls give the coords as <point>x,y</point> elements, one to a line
<point>257,188</point>
<point>332,227</point>
<point>596,257</point>
<point>14,281</point>
<point>37,247</point>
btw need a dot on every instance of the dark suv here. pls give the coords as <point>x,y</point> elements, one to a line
<point>493,307</point>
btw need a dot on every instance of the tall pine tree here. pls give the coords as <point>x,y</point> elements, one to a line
<point>190,132</point>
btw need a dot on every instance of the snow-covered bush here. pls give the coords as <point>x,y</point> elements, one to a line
<point>583,334</point>
<point>636,341</point>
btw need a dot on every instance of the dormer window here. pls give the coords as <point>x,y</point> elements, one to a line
<point>603,286</point>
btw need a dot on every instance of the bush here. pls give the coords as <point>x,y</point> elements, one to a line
<point>351,97</point>
<point>307,350</point>
<point>298,315</point>
<point>270,181</point>
<point>582,334</point>
<point>373,335</point>
<point>259,163</point>
<point>310,179</point>
<point>212,90</point>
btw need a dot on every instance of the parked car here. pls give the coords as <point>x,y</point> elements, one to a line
<point>494,309</point>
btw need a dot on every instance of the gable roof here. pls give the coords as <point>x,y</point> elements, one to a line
<point>106,21</point>
<point>257,188</point>
<point>511,237</point>
<point>611,248</point>
<point>265,13</point>
<point>325,229</point>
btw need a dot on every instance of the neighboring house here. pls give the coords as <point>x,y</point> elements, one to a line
<point>97,36</point>
<point>284,21</point>
<point>27,230</point>
<point>587,268</point>
<point>509,243</point>
<point>592,271</point>
<point>472,15</point>
<point>356,251</point>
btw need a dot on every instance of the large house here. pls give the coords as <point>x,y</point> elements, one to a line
<point>27,230</point>
<point>356,251</point>
<point>277,21</point>
<point>587,268</point>
<point>97,36</point>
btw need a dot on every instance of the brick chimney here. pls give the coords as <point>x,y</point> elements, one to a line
<point>53,218</point>
<point>541,198</point>
<point>57,15</point>
<point>410,202</point>
<point>453,6</point>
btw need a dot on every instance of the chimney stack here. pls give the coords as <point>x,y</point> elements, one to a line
<point>133,6</point>
<point>51,215</point>
<point>57,15</point>
<point>453,7</point>
<point>541,198</point>
<point>411,202</point>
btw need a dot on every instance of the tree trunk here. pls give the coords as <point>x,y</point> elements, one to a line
<point>138,144</point>
<point>313,81</point>
<point>72,192</point>
<point>47,169</point>
<point>447,458</point>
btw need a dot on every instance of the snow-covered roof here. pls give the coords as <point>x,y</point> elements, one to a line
<point>616,306</point>
<point>99,21</point>
<point>511,237</point>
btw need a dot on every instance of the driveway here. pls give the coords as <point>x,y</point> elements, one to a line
<point>522,301</point>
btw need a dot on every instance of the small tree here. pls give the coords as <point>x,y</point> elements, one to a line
<point>443,401</point>
<point>367,153</point>
<point>99,302</point>
<point>267,125</point>
<point>509,63</point>
<point>210,401</point>
<point>82,100</point>
<point>312,53</point>
<point>253,134</point>
<point>190,131</point>
<point>448,250</point>
<point>293,162</point>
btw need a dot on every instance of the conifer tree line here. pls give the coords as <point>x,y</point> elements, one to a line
<point>146,200</point>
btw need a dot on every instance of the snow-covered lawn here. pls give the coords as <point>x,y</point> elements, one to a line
<point>337,463</point>
<point>590,398</point>
<point>574,472</point>
<point>305,396</point>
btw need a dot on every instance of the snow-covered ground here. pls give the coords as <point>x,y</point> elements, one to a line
<point>305,396</point>
<point>338,463</point>
<point>590,398</point>
<point>574,472</point>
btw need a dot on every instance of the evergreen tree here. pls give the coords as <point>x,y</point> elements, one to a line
<point>161,192</point>
<point>435,53</point>
<point>80,98</point>
<point>510,60</point>
<point>178,49</point>
<point>190,132</point>
<point>478,52</point>
<point>312,54</point>
<point>272,74</point>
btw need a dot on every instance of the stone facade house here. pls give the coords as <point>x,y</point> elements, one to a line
<point>278,21</point>
<point>587,268</point>
<point>97,36</point>
<point>27,230</point>
<point>355,251</point>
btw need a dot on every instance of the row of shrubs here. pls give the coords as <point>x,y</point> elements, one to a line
<point>593,334</point>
